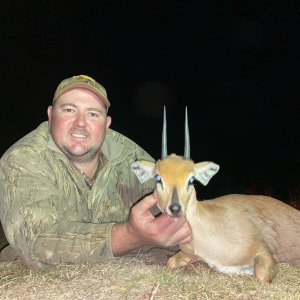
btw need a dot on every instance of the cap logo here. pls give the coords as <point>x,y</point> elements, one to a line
<point>85,78</point>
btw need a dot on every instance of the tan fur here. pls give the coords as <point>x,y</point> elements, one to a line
<point>242,234</point>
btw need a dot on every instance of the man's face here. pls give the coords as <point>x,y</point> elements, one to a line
<point>78,123</point>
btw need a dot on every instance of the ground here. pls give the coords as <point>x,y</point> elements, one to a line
<point>136,278</point>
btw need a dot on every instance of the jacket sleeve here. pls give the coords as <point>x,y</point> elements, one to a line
<point>31,219</point>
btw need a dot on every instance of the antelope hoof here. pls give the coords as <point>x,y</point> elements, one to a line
<point>178,260</point>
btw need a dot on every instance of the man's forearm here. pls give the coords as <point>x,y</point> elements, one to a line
<point>122,240</point>
<point>73,242</point>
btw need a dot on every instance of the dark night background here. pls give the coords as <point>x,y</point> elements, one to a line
<point>236,65</point>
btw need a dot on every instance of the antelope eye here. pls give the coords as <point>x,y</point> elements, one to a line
<point>157,178</point>
<point>191,180</point>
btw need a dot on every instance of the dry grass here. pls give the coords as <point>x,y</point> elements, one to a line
<point>132,278</point>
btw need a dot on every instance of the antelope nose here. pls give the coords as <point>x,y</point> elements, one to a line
<point>175,208</point>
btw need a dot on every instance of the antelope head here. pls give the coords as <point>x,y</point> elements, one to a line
<point>175,175</point>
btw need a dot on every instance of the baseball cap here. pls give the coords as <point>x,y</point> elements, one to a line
<point>85,82</point>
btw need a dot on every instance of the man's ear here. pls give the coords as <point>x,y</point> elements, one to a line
<point>49,113</point>
<point>108,121</point>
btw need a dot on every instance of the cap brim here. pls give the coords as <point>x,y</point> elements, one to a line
<point>86,87</point>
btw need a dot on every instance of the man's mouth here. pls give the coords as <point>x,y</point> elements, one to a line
<point>77,135</point>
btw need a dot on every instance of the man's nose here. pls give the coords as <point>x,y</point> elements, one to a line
<point>80,120</point>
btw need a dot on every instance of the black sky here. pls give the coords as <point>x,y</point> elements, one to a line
<point>236,66</point>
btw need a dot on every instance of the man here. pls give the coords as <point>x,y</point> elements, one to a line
<point>66,188</point>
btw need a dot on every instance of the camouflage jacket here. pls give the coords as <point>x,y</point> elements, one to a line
<point>48,212</point>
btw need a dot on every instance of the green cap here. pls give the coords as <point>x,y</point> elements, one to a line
<point>84,82</point>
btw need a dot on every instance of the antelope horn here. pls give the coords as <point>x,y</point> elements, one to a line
<point>187,148</point>
<point>164,137</point>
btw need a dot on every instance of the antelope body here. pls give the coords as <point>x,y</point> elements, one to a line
<point>243,234</point>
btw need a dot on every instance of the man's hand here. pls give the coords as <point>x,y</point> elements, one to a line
<point>143,229</point>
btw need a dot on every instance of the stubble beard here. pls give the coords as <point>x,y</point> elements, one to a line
<point>82,156</point>
<point>87,156</point>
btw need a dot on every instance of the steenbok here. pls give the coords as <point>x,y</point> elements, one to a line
<point>242,234</point>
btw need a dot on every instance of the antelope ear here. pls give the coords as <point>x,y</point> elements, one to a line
<point>204,171</point>
<point>144,170</point>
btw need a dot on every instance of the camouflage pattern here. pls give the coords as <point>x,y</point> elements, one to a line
<point>48,212</point>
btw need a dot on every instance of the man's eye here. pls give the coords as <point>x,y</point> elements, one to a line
<point>68,109</point>
<point>95,115</point>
